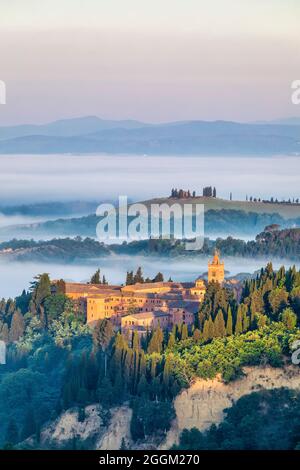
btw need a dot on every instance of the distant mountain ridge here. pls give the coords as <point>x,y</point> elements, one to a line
<point>95,135</point>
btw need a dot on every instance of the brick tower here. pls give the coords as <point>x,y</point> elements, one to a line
<point>216,269</point>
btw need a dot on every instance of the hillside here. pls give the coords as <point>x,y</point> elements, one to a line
<point>203,404</point>
<point>57,366</point>
<point>279,244</point>
<point>174,138</point>
<point>222,218</point>
<point>67,127</point>
<point>200,406</point>
<point>285,210</point>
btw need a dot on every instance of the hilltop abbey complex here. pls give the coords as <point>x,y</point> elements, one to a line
<point>143,306</point>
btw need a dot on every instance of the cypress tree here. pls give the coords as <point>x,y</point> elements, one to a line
<point>208,329</point>
<point>229,322</point>
<point>171,341</point>
<point>102,336</point>
<point>167,372</point>
<point>41,289</point>
<point>142,364</point>
<point>4,333</point>
<point>95,279</point>
<point>143,387</point>
<point>135,341</point>
<point>129,278</point>
<point>29,426</point>
<point>246,320</point>
<point>159,277</point>
<point>219,325</point>
<point>184,332</point>
<point>197,335</point>
<point>156,341</point>
<point>239,322</point>
<point>138,278</point>
<point>17,327</point>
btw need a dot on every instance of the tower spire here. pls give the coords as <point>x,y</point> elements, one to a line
<point>216,269</point>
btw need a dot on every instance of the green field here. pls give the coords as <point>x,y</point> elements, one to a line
<point>286,210</point>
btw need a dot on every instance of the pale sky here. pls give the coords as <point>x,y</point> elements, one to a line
<point>152,60</point>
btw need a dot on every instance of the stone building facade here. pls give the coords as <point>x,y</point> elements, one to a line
<point>144,305</point>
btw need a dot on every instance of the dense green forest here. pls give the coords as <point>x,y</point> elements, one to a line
<point>271,242</point>
<point>55,361</point>
<point>241,223</point>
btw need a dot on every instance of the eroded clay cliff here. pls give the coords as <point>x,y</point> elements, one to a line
<point>200,406</point>
<point>203,404</point>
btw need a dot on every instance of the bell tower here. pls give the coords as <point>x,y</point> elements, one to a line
<point>216,269</point>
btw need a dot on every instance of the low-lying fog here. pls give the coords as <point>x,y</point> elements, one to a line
<point>12,220</point>
<point>36,178</point>
<point>14,277</point>
<point>40,178</point>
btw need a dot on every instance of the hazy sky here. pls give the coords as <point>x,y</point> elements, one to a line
<point>153,60</point>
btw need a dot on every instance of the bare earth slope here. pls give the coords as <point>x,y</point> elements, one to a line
<point>200,406</point>
<point>204,402</point>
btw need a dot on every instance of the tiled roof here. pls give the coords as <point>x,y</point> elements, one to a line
<point>186,305</point>
<point>89,288</point>
<point>144,315</point>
